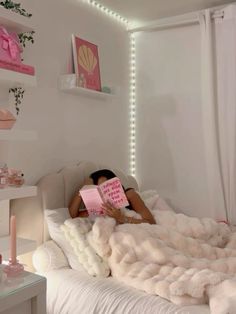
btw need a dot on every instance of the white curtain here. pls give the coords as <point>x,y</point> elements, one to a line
<point>225,39</point>
<point>170,150</point>
<point>219,109</point>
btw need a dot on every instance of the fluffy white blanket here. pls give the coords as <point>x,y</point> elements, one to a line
<point>185,260</point>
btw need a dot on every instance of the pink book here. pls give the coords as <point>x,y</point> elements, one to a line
<point>22,68</point>
<point>109,191</point>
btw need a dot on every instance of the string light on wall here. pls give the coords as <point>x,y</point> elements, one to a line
<point>132,98</point>
<point>107,11</point>
<point>132,106</point>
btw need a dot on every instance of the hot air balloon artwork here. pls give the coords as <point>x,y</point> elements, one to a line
<point>86,63</point>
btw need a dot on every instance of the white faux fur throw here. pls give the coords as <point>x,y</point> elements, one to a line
<point>185,260</point>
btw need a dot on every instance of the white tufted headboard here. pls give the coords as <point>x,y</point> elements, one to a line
<point>55,190</point>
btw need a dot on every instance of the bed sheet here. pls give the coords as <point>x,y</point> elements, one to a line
<point>75,292</point>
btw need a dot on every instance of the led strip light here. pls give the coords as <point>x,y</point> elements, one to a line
<point>132,98</point>
<point>132,107</point>
<point>107,11</point>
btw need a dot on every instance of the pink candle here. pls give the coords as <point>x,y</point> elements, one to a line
<point>13,239</point>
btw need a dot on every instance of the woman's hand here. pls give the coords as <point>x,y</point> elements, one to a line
<point>83,213</point>
<point>113,212</point>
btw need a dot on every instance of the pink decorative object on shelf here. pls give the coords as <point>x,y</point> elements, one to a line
<point>10,53</point>
<point>3,180</point>
<point>13,239</point>
<point>13,268</point>
<point>7,120</point>
<point>10,177</point>
<point>3,176</point>
<point>10,48</point>
<point>15,177</point>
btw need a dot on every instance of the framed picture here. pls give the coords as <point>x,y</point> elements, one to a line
<point>86,63</point>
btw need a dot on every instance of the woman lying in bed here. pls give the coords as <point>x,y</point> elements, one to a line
<point>136,203</point>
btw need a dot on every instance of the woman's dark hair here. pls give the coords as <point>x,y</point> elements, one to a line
<point>101,173</point>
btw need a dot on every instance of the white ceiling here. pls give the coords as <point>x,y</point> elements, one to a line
<point>142,11</point>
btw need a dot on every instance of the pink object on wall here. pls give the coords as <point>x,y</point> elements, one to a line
<point>7,120</point>
<point>10,47</point>
<point>86,63</point>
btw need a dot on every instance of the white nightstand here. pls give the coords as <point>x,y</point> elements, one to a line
<point>24,294</point>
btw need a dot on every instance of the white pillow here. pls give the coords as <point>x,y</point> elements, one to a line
<point>55,218</point>
<point>153,201</point>
<point>49,256</point>
<point>76,231</point>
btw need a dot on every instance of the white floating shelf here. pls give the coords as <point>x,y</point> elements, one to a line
<point>86,91</point>
<point>17,135</point>
<point>23,246</point>
<point>66,86</point>
<point>15,22</point>
<point>11,78</point>
<point>10,193</point>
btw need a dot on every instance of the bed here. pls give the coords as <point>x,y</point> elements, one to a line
<point>74,291</point>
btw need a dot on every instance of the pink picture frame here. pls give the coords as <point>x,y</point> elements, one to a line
<point>86,63</point>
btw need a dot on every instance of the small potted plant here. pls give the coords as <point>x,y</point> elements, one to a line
<point>18,93</point>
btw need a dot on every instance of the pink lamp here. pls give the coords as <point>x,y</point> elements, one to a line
<point>13,268</point>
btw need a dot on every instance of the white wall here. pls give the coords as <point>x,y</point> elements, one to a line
<point>170,145</point>
<point>71,128</point>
